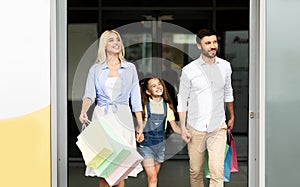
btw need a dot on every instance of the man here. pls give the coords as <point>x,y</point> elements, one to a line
<point>205,88</point>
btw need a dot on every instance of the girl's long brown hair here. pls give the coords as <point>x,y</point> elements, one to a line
<point>145,96</point>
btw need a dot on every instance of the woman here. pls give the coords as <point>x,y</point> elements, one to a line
<point>113,82</point>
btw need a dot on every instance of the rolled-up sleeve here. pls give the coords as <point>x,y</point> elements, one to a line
<point>90,88</point>
<point>228,91</point>
<point>184,91</point>
<point>135,94</point>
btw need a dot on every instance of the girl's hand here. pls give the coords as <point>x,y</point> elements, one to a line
<point>175,127</point>
<point>83,118</point>
<point>139,136</point>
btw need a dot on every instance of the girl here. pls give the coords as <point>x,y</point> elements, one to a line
<point>157,110</point>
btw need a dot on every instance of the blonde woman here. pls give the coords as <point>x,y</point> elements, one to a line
<point>113,83</point>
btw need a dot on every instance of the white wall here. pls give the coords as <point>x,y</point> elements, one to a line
<point>25,157</point>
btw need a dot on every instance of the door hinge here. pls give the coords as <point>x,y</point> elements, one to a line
<point>251,115</point>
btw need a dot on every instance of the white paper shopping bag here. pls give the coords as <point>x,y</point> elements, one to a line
<point>94,145</point>
<point>124,165</point>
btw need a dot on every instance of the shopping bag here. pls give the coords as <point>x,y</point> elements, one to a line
<point>122,153</point>
<point>227,164</point>
<point>90,156</point>
<point>234,163</point>
<point>109,166</point>
<point>94,145</point>
<point>123,169</point>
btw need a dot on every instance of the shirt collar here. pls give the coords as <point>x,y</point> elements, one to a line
<point>123,65</point>
<point>201,61</point>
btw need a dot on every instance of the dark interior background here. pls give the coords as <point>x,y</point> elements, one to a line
<point>229,15</point>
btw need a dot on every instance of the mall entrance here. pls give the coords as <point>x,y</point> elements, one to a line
<point>159,35</point>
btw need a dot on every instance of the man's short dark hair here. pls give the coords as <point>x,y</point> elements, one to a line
<point>205,32</point>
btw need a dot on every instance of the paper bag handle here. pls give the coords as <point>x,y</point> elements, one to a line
<point>87,122</point>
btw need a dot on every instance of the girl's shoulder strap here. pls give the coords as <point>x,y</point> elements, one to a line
<point>165,108</point>
<point>148,109</point>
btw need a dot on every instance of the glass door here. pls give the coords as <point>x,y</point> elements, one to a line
<point>160,39</point>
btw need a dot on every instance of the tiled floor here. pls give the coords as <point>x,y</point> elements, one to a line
<point>174,172</point>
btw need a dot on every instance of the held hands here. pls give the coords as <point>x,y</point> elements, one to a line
<point>185,135</point>
<point>139,136</point>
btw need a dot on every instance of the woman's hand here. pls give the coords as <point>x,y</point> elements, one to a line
<point>86,103</point>
<point>83,118</point>
<point>139,136</point>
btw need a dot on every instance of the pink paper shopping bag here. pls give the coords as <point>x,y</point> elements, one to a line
<point>123,170</point>
<point>234,163</point>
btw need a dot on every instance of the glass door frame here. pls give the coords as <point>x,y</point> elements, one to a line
<point>58,61</point>
<point>256,130</point>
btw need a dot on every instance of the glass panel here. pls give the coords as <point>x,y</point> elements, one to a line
<point>161,3</point>
<point>82,16</point>
<point>236,51</point>
<point>235,20</point>
<point>80,3</point>
<point>233,3</point>
<point>81,37</point>
<point>282,93</point>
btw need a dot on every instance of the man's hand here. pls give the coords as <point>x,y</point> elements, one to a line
<point>185,135</point>
<point>230,124</point>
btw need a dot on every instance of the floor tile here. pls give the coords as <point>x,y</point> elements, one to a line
<point>173,173</point>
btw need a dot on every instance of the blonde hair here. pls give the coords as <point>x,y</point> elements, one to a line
<point>102,44</point>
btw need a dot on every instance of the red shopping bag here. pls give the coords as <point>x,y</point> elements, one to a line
<point>234,163</point>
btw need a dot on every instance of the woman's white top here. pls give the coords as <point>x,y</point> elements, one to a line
<point>111,87</point>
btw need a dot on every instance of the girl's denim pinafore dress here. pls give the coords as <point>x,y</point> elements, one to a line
<point>154,131</point>
<point>154,142</point>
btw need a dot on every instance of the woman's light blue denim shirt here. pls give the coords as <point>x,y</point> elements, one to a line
<point>130,89</point>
